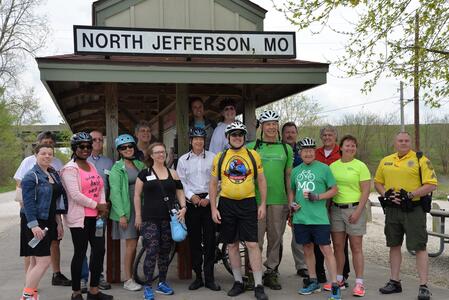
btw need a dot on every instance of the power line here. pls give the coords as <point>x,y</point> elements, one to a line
<point>356,105</point>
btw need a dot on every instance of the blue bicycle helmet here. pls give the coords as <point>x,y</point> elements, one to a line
<point>78,138</point>
<point>197,132</point>
<point>124,139</point>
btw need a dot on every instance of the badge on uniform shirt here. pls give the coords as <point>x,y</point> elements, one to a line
<point>151,177</point>
<point>410,163</point>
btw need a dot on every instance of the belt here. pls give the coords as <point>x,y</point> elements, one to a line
<point>201,195</point>
<point>349,205</point>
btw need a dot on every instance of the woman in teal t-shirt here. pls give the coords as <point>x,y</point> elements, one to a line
<point>347,213</point>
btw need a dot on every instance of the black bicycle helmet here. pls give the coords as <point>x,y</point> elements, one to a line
<point>307,143</point>
<point>197,132</point>
<point>78,138</point>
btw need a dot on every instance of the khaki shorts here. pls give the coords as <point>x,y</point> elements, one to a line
<point>339,218</point>
<point>412,224</point>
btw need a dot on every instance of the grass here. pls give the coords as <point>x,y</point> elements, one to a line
<point>8,187</point>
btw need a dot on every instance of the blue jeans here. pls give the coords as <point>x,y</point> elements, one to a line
<point>85,269</point>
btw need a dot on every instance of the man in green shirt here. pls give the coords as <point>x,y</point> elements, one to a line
<point>312,184</point>
<point>277,160</point>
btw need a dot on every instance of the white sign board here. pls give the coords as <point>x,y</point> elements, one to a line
<point>131,41</point>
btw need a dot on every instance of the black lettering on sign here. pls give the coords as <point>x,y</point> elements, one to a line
<point>157,46</point>
<point>232,44</point>
<point>197,43</point>
<point>115,39</point>
<point>137,41</point>
<point>221,43</point>
<point>270,45</point>
<point>101,40</point>
<point>166,42</point>
<point>283,44</point>
<point>88,39</point>
<point>177,41</point>
<point>187,41</point>
<point>126,37</point>
<point>244,43</point>
<point>208,42</point>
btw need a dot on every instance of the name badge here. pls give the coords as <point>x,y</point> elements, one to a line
<point>151,177</point>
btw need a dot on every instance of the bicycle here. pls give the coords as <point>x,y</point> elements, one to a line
<point>221,255</point>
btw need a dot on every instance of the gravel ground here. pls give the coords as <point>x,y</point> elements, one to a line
<point>376,252</point>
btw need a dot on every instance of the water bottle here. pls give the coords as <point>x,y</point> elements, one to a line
<point>174,212</point>
<point>99,227</point>
<point>34,241</point>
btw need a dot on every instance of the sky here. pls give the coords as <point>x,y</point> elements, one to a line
<point>338,97</point>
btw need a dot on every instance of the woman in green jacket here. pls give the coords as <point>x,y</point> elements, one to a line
<point>121,182</point>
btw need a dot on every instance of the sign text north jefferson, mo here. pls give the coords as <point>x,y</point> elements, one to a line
<point>127,41</point>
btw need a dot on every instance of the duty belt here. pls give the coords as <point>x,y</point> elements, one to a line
<point>349,205</point>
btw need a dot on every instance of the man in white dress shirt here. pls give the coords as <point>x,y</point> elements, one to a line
<point>219,141</point>
<point>194,170</point>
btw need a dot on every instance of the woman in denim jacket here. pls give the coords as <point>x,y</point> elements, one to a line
<point>44,200</point>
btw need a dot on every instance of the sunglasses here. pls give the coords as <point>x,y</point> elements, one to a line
<point>84,147</point>
<point>124,147</point>
<point>237,134</point>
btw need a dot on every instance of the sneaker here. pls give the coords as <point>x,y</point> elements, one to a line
<point>59,279</point>
<point>148,293</point>
<point>312,287</point>
<point>237,289</point>
<point>28,297</point>
<point>103,284</point>
<point>131,285</point>
<point>424,293</point>
<point>335,293</point>
<point>391,287</point>
<point>99,296</point>
<point>83,285</point>
<point>271,280</point>
<point>259,293</point>
<point>196,284</point>
<point>164,289</point>
<point>328,286</point>
<point>77,297</point>
<point>358,290</point>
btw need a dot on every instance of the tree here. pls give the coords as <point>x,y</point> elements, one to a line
<point>380,41</point>
<point>298,108</point>
<point>22,32</point>
<point>9,156</point>
<point>25,108</point>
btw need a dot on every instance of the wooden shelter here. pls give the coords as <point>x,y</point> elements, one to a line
<point>113,92</point>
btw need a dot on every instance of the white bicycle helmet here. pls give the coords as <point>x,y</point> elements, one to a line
<point>236,125</point>
<point>307,143</point>
<point>268,115</point>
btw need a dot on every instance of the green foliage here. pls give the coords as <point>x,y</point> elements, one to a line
<point>9,146</point>
<point>380,40</point>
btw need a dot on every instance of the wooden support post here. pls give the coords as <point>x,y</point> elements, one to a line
<point>182,131</point>
<point>249,112</point>
<point>111,111</point>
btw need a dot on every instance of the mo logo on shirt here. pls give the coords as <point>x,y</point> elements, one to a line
<point>305,180</point>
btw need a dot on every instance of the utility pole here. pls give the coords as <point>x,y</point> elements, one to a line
<point>416,82</point>
<point>401,99</point>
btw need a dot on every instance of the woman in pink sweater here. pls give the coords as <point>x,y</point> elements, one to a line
<point>87,208</point>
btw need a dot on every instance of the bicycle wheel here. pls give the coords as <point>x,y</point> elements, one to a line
<point>139,275</point>
<point>225,256</point>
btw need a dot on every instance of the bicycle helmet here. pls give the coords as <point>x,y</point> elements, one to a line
<point>268,115</point>
<point>236,125</point>
<point>197,132</point>
<point>124,139</point>
<point>307,143</point>
<point>78,138</point>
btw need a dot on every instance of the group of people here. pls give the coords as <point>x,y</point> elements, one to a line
<point>246,191</point>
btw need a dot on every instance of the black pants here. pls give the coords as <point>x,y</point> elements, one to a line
<point>319,262</point>
<point>201,233</point>
<point>81,237</point>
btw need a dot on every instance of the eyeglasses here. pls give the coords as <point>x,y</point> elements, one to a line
<point>84,147</point>
<point>124,147</point>
<point>237,134</point>
<point>97,140</point>
<point>159,152</point>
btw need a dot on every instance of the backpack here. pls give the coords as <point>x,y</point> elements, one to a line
<point>223,155</point>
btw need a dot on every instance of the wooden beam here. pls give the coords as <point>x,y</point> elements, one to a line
<point>86,89</point>
<point>111,115</point>
<point>91,105</point>
<point>125,112</point>
<point>249,112</point>
<point>182,131</point>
